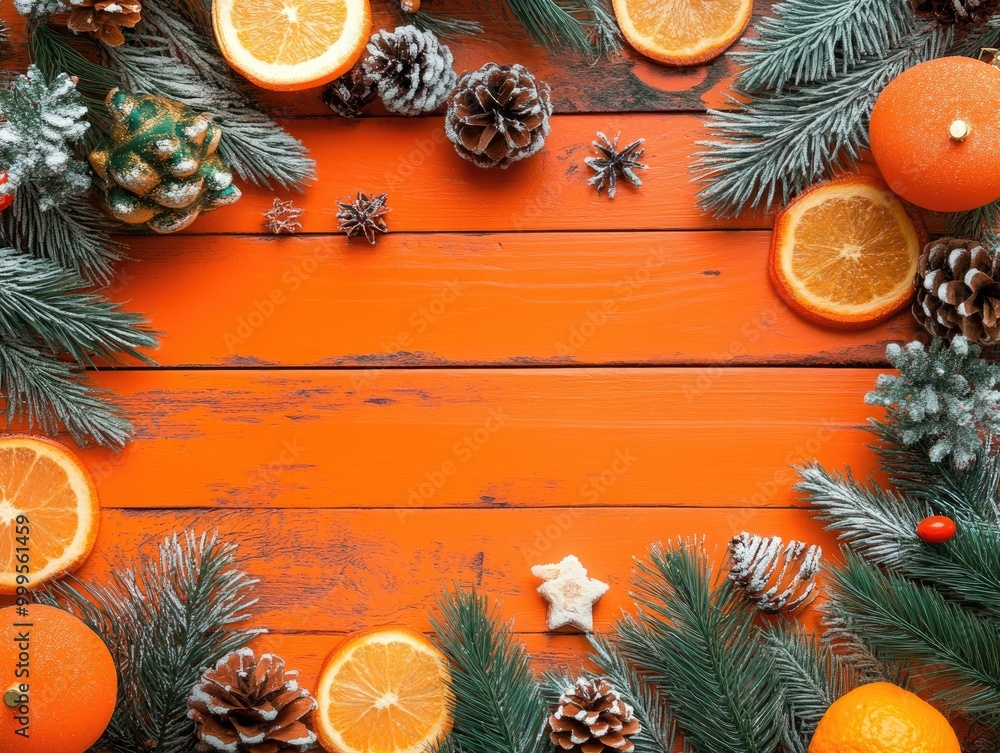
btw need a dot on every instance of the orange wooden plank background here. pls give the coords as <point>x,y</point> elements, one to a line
<point>522,370</point>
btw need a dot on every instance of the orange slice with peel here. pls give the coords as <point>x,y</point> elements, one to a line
<point>49,512</point>
<point>682,32</point>
<point>383,690</point>
<point>845,253</point>
<point>289,45</point>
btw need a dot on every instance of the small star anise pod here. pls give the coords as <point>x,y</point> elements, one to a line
<point>364,216</point>
<point>614,164</point>
<point>282,217</point>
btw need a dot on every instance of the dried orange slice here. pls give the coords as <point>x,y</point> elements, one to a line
<point>682,32</point>
<point>845,253</point>
<point>288,45</point>
<point>383,691</point>
<point>49,512</point>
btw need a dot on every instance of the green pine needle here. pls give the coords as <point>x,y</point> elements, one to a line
<point>45,391</point>
<point>446,26</point>
<point>164,620</point>
<point>498,705</point>
<point>586,26</point>
<point>38,297</point>
<point>951,650</point>
<point>814,40</point>
<point>980,224</point>
<point>775,145</point>
<point>697,641</point>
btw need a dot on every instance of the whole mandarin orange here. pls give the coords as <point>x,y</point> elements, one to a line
<point>883,718</point>
<point>72,684</point>
<point>935,134</point>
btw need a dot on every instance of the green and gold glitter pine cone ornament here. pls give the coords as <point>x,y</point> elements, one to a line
<point>159,165</point>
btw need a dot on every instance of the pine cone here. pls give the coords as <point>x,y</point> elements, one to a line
<point>754,562</point>
<point>592,718</point>
<point>159,164</point>
<point>498,115</point>
<point>350,94</point>
<point>958,291</point>
<point>957,12</point>
<point>105,18</point>
<point>410,69</point>
<point>250,705</point>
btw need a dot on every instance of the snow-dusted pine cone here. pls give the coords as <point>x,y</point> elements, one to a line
<point>104,18</point>
<point>251,705</point>
<point>350,94</point>
<point>410,69</point>
<point>592,718</point>
<point>759,565</point>
<point>498,115</point>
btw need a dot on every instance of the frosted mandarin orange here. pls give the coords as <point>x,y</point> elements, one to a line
<point>883,718</point>
<point>844,253</point>
<point>73,685</point>
<point>682,32</point>
<point>935,134</point>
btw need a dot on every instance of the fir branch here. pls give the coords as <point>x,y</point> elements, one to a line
<point>981,223</point>
<point>47,392</point>
<point>945,393</point>
<point>498,706</point>
<point>164,621</point>
<point>812,676</point>
<point>659,728</point>
<point>253,145</point>
<point>698,643</point>
<point>39,297</point>
<point>445,26</point>
<point>878,524</point>
<point>586,26</point>
<point>951,650</point>
<point>73,234</point>
<point>972,492</point>
<point>814,40</point>
<point>777,144</point>
<point>56,51</point>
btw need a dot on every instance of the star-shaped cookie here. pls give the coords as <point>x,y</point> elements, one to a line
<point>570,593</point>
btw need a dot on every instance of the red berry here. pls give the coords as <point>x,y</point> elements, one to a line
<point>936,529</point>
<point>7,199</point>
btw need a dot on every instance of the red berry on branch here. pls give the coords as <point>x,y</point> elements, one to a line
<point>936,529</point>
<point>7,199</point>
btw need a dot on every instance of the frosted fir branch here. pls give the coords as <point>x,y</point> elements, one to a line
<point>946,394</point>
<point>586,26</point>
<point>814,40</point>
<point>775,145</point>
<point>43,122</point>
<point>981,223</point>
<point>446,26</point>
<point>253,144</point>
<point>40,8</point>
<point>164,620</point>
<point>47,392</point>
<point>73,234</point>
<point>41,301</point>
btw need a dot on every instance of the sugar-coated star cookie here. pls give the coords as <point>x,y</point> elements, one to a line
<point>570,593</point>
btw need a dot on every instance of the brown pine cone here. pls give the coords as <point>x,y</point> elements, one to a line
<point>250,705</point>
<point>958,291</point>
<point>105,18</point>
<point>498,115</point>
<point>350,94</point>
<point>592,718</point>
<point>957,12</point>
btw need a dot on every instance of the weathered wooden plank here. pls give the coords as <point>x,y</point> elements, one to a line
<point>511,299</point>
<point>431,188</point>
<point>324,571</point>
<point>629,83</point>
<point>480,438</point>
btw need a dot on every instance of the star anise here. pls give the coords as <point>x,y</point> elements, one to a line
<point>364,216</point>
<point>614,164</point>
<point>282,217</point>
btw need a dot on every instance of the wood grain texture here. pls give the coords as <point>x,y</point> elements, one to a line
<point>432,189</point>
<point>327,571</point>
<point>625,83</point>
<point>480,438</point>
<point>512,299</point>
